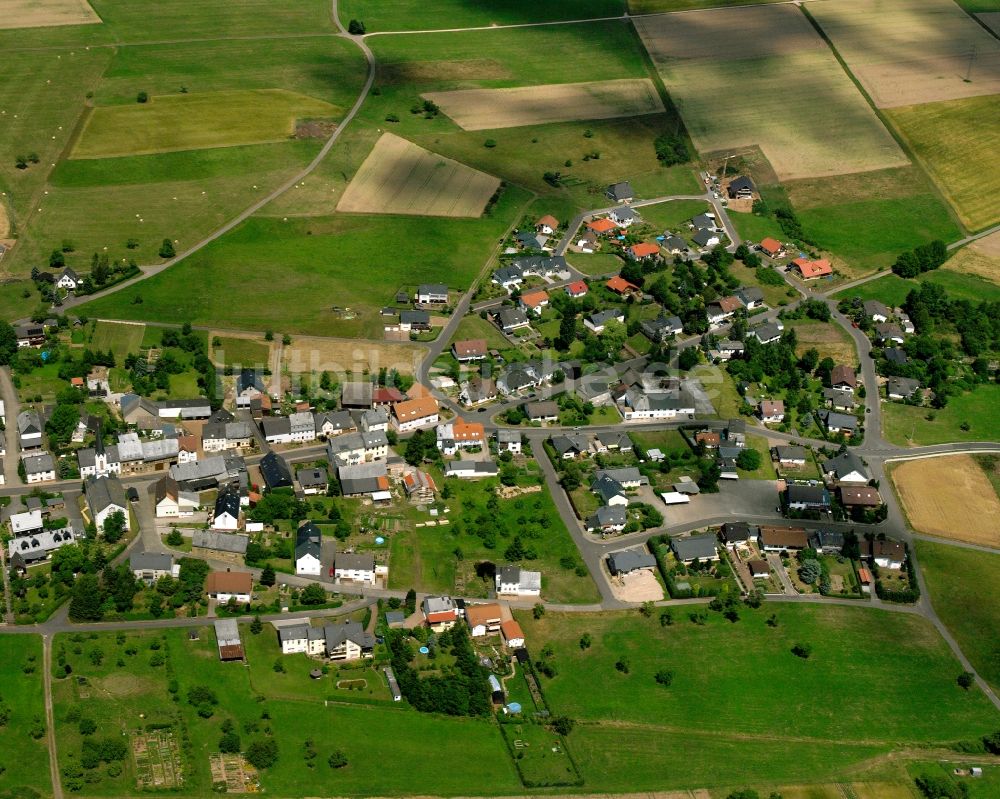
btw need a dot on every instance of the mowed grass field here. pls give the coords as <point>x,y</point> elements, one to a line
<point>196,121</point>
<point>401,15</point>
<point>762,75</point>
<point>313,265</point>
<point>967,511</point>
<point>25,759</point>
<point>233,350</point>
<point>957,142</point>
<point>908,425</point>
<point>867,219</point>
<point>906,52</point>
<point>892,289</point>
<point>790,699</point>
<point>115,696</point>
<point>120,338</point>
<point>962,586</point>
<point>32,14</point>
<point>486,109</point>
<point>398,177</point>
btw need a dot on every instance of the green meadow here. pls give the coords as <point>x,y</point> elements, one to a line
<point>24,757</point>
<point>402,15</point>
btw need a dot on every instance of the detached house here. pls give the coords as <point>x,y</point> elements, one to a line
<point>227,511</point>
<point>354,568</point>
<point>620,192</point>
<point>751,297</point>
<point>547,225</point>
<point>440,612</point>
<point>608,520</point>
<point>29,429</point>
<point>432,293</point>
<point>875,311</point>
<point>810,270</point>
<point>415,414</point>
<point>39,468</point>
<point>483,619</point>
<point>223,586</point>
<point>644,251</point>
<point>772,248</point>
<point>842,378</point>
<point>515,581</point>
<point>620,285</point>
<point>720,310</point>
<point>534,301</point>
<point>597,322</point>
<point>68,279</point>
<point>308,550</point>
<point>846,468</point>
<point>511,319</point>
<point>771,411</point>
<point>170,502</point>
<point>453,436</point>
<point>808,498</point>
<point>901,388</point>
<point>469,350</point>
<point>249,387</point>
<point>741,188</point>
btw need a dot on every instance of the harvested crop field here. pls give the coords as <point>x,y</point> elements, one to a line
<point>195,121</point>
<point>966,511</point>
<point>761,75</point>
<point>308,354</point>
<point>45,13</point>
<point>958,142</point>
<point>399,177</point>
<point>827,338</point>
<point>487,109</point>
<point>906,52</point>
<point>981,258</point>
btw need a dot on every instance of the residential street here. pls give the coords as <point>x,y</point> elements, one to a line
<point>12,407</point>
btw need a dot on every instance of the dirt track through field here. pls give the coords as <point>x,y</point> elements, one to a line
<point>45,13</point>
<point>761,75</point>
<point>486,109</point>
<point>906,52</point>
<point>398,177</point>
<point>950,497</point>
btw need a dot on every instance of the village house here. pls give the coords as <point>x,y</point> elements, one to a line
<point>626,561</point>
<point>542,411</point>
<point>419,486</point>
<point>469,350</point>
<point>782,539</point>
<point>607,520</point>
<point>508,441</point>
<point>227,518</point>
<point>440,612</point>
<point>644,251</point>
<point>808,498</point>
<point>432,294</point>
<point>415,414</point>
<point>836,422</point>
<point>790,456</point>
<point>302,639</point>
<point>313,481</point>
<point>734,534</point>
<point>223,586</point>
<point>226,544</point>
<point>885,552</point>
<point>477,390</point>
<point>767,333</point>
<point>705,238</point>
<point>355,448</point>
<point>308,550</point>
<point>811,270</point>
<point>29,430</point>
<point>151,566</point>
<point>740,188</point>
<point>875,311</point>
<point>221,436</point>
<point>510,319</point>
<point>771,411</point>
<point>534,301</point>
<point>39,468</point>
<point>637,405</point>
<point>688,549</point>
<point>249,387</point>
<point>662,328</point>
<point>722,309</point>
<point>334,423</point>
<point>483,619</point>
<point>842,378</point>
<point>620,192</point>
<point>751,297</point>
<point>354,568</point>
<point>512,580</point>
<point>513,635</point>
<point>887,332</point>
<point>864,497</point>
<point>172,503</point>
<point>598,321</point>
<point>453,436</point>
<point>547,225</point>
<point>622,287</point>
<point>577,289</point>
<point>67,279</point>
<point>375,420</point>
<point>772,248</point>
<point>901,388</point>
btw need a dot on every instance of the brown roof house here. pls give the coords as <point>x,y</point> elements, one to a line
<point>483,619</point>
<point>223,586</point>
<point>779,539</point>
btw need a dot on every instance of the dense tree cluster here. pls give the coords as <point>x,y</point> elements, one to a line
<point>460,690</point>
<point>921,259</point>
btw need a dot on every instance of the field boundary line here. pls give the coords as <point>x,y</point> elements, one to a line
<point>897,135</point>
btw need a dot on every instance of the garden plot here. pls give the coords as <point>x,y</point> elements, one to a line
<point>398,177</point>
<point>762,76</point>
<point>157,760</point>
<point>486,109</point>
<point>45,13</point>
<point>906,52</point>
<point>949,497</point>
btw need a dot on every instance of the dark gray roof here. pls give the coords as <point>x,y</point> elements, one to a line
<point>275,471</point>
<point>312,477</point>
<point>308,541</point>
<point>608,516</point>
<point>845,463</point>
<point>628,560</point>
<point>808,495</point>
<point>337,634</point>
<point>790,453</point>
<point>103,492</point>
<point>222,542</point>
<point>607,488</point>
<point>228,501</point>
<point>150,561</point>
<point>356,561</point>
<point>620,191</point>
<point>701,547</point>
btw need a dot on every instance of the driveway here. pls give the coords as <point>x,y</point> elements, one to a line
<point>774,561</point>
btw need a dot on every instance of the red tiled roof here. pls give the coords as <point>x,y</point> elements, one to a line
<point>511,630</point>
<point>576,287</point>
<point>548,221</point>
<point>602,226</point>
<point>533,299</point>
<point>771,246</point>
<point>643,249</point>
<point>474,346</point>
<point>809,269</point>
<point>621,285</point>
<point>415,408</point>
